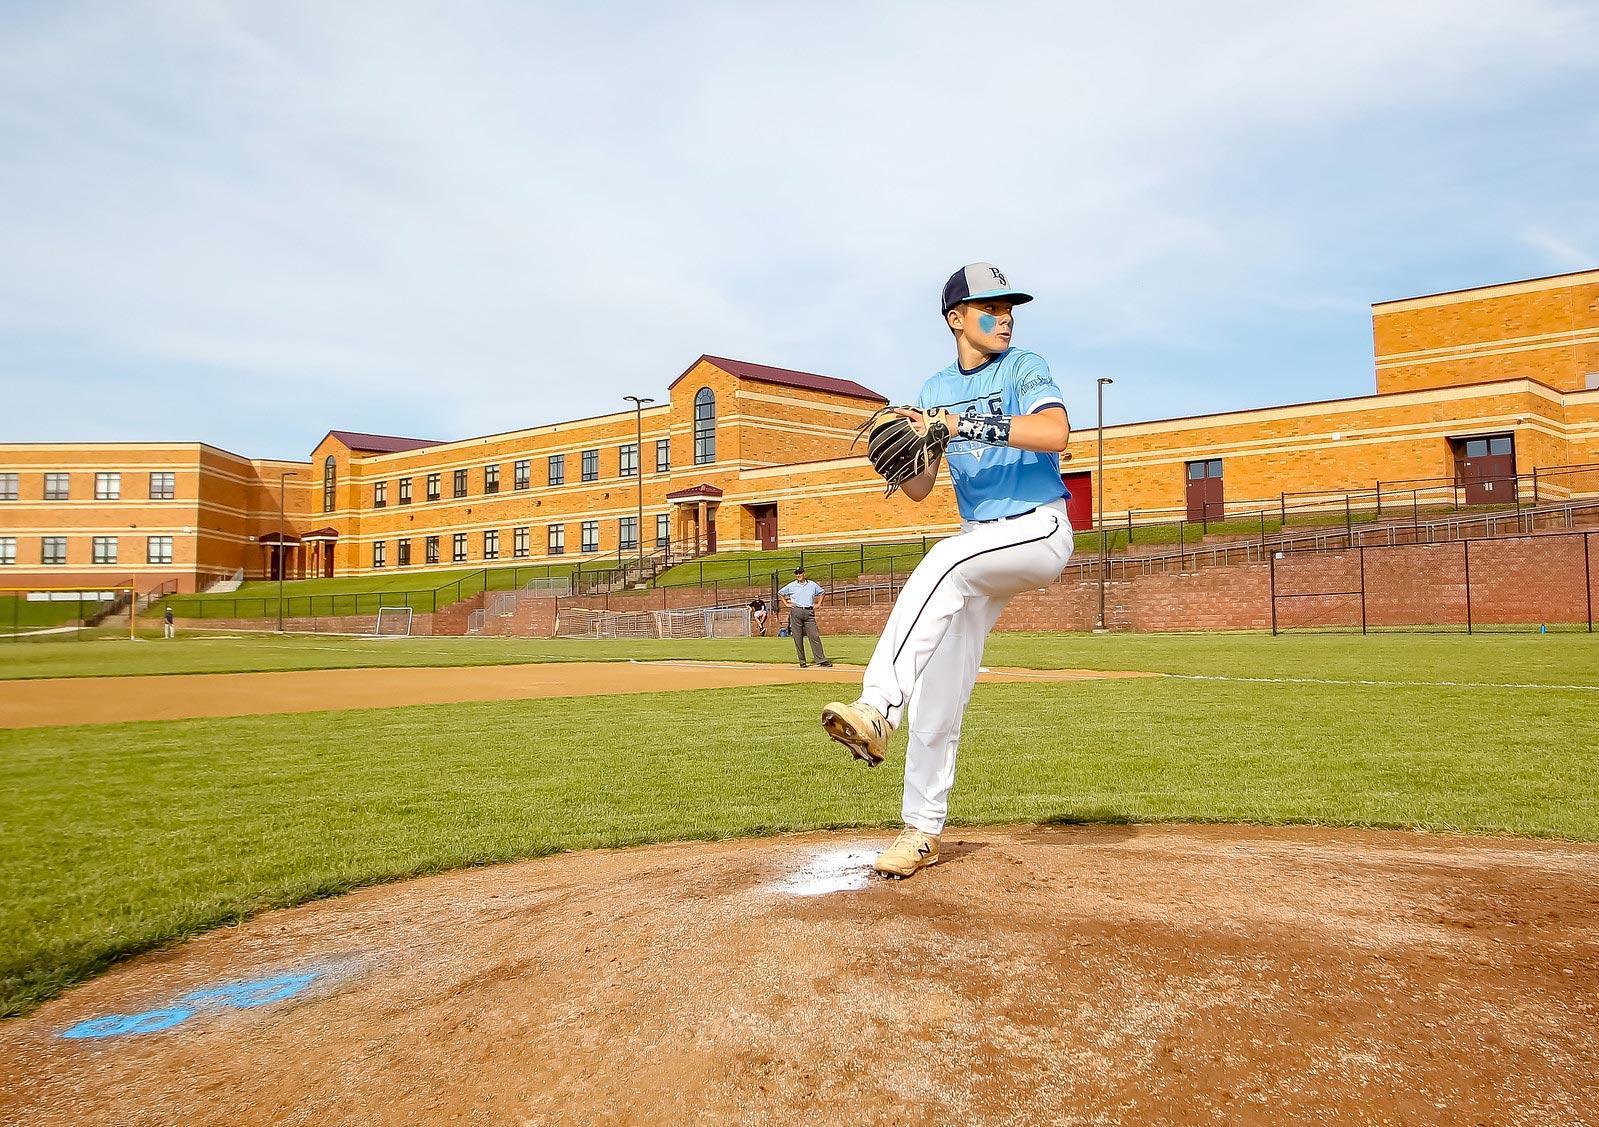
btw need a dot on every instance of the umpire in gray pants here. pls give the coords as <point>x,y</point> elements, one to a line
<point>801,597</point>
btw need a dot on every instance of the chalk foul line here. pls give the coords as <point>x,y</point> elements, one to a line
<point>1377,683</point>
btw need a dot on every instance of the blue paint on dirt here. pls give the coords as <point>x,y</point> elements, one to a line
<point>244,995</point>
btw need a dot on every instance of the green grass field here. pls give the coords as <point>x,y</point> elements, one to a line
<point>116,839</point>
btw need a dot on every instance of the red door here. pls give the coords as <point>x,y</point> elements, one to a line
<point>1205,498</point>
<point>1080,508</point>
<point>710,530</point>
<point>765,525</point>
<point>1487,468</point>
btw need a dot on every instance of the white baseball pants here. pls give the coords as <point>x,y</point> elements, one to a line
<point>926,662</point>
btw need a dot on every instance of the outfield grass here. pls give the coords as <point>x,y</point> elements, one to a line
<point>1514,658</point>
<point>116,839</point>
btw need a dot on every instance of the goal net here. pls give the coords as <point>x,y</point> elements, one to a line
<point>575,622</point>
<point>393,622</point>
<point>704,622</point>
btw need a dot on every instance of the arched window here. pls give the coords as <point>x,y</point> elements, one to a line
<point>330,481</point>
<point>704,426</point>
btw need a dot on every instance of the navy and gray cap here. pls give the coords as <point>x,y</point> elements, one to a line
<point>981,281</point>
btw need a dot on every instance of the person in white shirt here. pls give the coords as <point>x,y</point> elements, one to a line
<point>802,597</point>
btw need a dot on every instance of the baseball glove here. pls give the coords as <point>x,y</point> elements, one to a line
<point>897,449</point>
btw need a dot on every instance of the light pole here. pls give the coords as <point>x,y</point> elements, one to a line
<point>1099,492</point>
<point>283,524</point>
<point>638,465</point>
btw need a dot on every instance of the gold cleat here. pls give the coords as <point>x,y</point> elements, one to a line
<point>859,727</point>
<point>912,850</point>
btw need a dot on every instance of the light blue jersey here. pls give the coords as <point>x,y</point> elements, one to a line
<point>802,593</point>
<point>998,481</point>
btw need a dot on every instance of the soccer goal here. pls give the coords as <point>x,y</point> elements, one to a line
<point>576,622</point>
<point>704,622</point>
<point>393,622</point>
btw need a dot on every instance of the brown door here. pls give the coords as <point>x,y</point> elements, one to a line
<point>710,530</point>
<point>1205,498</point>
<point>1486,467</point>
<point>765,525</point>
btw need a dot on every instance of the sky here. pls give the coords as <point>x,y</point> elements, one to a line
<point>249,223</point>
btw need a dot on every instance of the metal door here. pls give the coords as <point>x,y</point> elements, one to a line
<point>1080,509</point>
<point>1487,469</point>
<point>1206,500</point>
<point>765,525</point>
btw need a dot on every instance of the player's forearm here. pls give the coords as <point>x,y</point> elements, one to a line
<point>918,487</point>
<point>1045,432</point>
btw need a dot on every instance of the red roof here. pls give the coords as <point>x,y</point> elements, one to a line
<point>380,443</point>
<point>695,491</point>
<point>745,370</point>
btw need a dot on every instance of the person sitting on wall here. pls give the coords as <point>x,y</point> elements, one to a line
<point>759,614</point>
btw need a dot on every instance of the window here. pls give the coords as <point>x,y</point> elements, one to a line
<point>519,543</point>
<point>628,528</point>
<point>402,553</point>
<point>53,550</point>
<point>432,548</point>
<point>105,549</point>
<point>1198,471</point>
<point>158,549</point>
<point>56,486</point>
<point>8,551</point>
<point>458,547</point>
<point>591,536</point>
<point>163,486</point>
<point>433,489</point>
<point>491,479</point>
<point>627,460</point>
<point>491,544</point>
<point>557,533</point>
<point>460,483</point>
<point>663,455</point>
<point>108,487</point>
<point>704,426</point>
<point>557,469</point>
<point>380,495</point>
<point>8,486</point>
<point>663,530</point>
<point>405,491</point>
<point>591,465</point>
<point>522,475</point>
<point>380,552</point>
<point>330,482</point>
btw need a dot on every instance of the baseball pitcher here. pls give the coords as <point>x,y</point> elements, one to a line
<point>998,419</point>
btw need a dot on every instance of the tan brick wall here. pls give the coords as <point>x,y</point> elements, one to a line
<point>1545,329</point>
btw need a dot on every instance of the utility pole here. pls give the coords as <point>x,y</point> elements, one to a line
<point>283,530</point>
<point>638,465</point>
<point>1099,494</point>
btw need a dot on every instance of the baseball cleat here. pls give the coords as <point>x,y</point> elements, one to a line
<point>912,850</point>
<point>859,727</point>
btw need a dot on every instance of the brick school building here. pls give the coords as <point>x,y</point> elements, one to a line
<point>1474,390</point>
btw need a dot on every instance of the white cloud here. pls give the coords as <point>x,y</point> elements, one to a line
<point>454,219</point>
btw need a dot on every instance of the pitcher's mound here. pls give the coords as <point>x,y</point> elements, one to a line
<point>1067,975</point>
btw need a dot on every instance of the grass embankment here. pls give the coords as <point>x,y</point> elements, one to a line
<point>28,614</point>
<point>118,838</point>
<point>364,594</point>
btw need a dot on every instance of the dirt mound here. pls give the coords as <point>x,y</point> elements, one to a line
<point>1051,975</point>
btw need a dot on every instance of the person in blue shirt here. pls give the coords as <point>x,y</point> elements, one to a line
<point>1008,426</point>
<point>802,597</point>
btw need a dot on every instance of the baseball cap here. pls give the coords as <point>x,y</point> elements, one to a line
<point>979,282</point>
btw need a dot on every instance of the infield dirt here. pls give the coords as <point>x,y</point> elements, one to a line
<point>1036,975</point>
<point>48,702</point>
